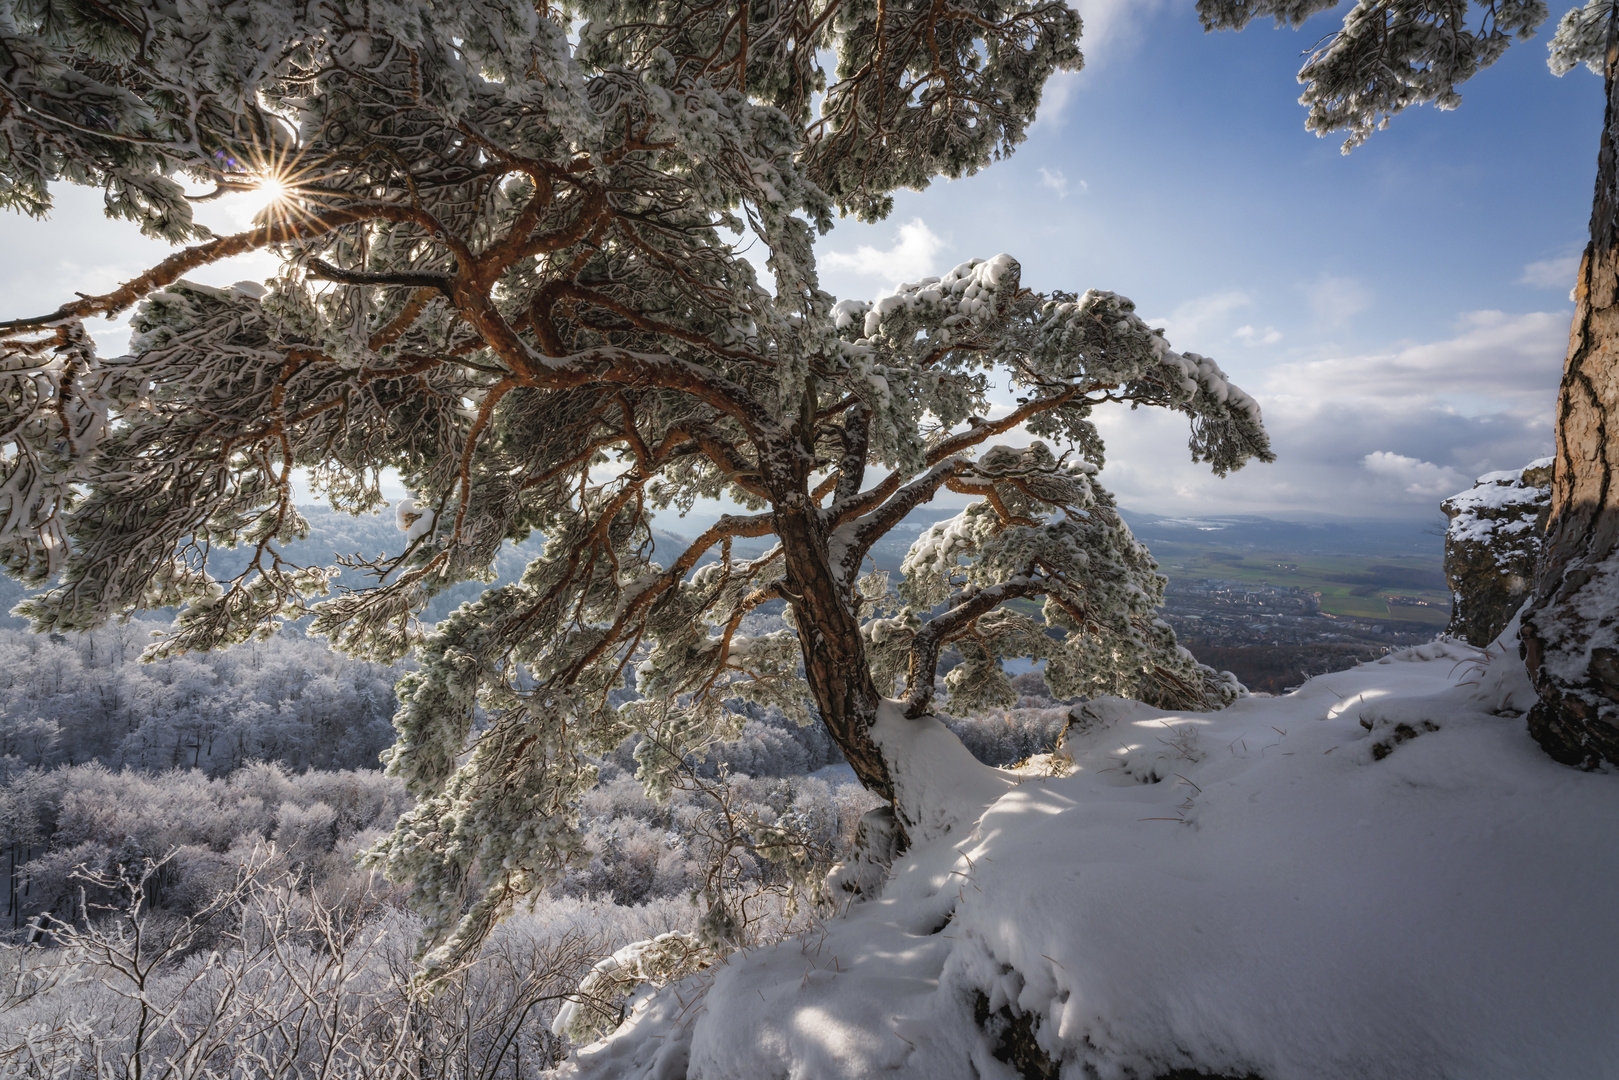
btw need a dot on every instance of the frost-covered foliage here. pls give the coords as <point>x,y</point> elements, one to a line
<point>83,697</point>
<point>513,274</point>
<point>1391,54</point>
<point>250,882</point>
<point>267,979</point>
<point>1581,38</point>
<point>1100,585</point>
<point>54,821</point>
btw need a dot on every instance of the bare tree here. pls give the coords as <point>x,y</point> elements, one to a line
<point>269,980</point>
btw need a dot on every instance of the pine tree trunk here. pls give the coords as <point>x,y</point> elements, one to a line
<point>834,652</point>
<point>1570,638</point>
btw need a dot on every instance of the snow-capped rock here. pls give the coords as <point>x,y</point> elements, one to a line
<point>1491,545</point>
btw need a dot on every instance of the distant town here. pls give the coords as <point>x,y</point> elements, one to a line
<point>1273,637</point>
<point>1224,612</point>
<point>1276,602</point>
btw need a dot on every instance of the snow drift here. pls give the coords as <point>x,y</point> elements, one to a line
<point>1379,875</point>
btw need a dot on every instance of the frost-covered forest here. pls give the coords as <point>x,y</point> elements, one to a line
<point>80,698</point>
<point>249,774</point>
<point>75,699</point>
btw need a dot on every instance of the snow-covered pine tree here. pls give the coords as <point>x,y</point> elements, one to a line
<point>512,274</point>
<point>1395,53</point>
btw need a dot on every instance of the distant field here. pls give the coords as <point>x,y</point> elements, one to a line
<point>1350,585</point>
<point>1338,578</point>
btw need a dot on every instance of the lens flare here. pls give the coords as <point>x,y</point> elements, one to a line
<point>271,182</point>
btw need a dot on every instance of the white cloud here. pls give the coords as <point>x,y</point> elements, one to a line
<point>1414,476</point>
<point>1201,317</point>
<point>1249,335</point>
<point>1497,362</point>
<point>1109,24</point>
<point>1056,181</point>
<point>1321,463</point>
<point>1551,273</point>
<point>1112,28</point>
<point>913,255</point>
<point>1203,321</point>
<point>1054,99</point>
<point>1379,435</point>
<point>1336,299</point>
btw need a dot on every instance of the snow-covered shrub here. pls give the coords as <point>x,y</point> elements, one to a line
<point>268,980</point>
<point>601,999</point>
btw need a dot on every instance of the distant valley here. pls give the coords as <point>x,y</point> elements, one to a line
<point>1271,600</point>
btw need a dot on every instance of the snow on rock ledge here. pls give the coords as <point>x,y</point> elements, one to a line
<point>1491,544</point>
<point>1375,876</point>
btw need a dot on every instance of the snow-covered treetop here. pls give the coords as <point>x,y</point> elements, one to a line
<point>512,275</point>
<point>136,97</point>
<point>1391,54</point>
<point>1581,38</point>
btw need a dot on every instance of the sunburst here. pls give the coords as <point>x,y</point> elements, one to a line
<point>268,194</point>
<point>276,178</point>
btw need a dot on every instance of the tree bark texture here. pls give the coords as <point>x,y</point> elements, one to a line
<point>1570,639</point>
<point>834,652</point>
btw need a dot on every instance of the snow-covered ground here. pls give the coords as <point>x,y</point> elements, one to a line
<point>1377,876</point>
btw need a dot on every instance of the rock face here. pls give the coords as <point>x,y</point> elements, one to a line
<point>1491,544</point>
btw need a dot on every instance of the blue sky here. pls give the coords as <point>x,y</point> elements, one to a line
<point>1401,312</point>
